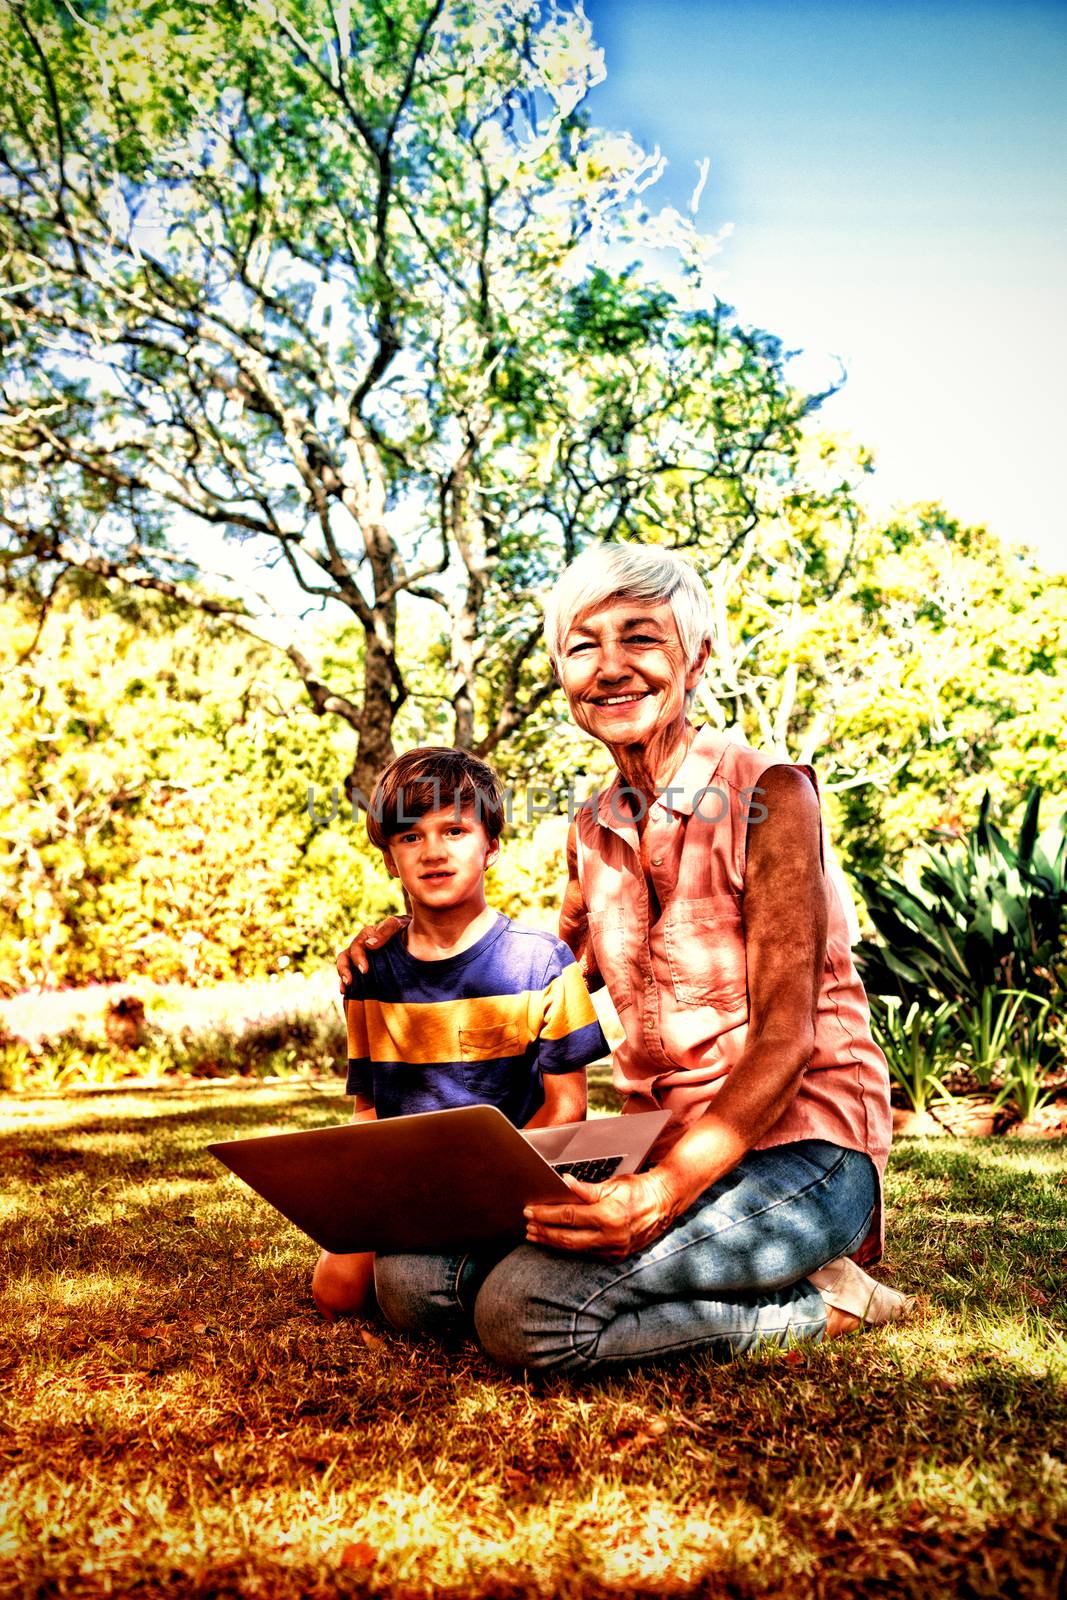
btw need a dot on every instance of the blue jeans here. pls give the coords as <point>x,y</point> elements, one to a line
<point>729,1274</point>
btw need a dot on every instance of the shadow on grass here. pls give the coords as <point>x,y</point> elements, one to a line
<point>158,1117</point>
<point>863,1483</point>
<point>171,1388</point>
<point>997,1214</point>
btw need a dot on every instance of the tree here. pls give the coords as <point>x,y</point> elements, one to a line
<point>958,649</point>
<point>153,774</point>
<point>337,290</point>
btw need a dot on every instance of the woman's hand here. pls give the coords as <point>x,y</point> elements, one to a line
<point>618,1218</point>
<point>354,959</point>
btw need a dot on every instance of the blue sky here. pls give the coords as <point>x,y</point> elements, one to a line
<point>896,177</point>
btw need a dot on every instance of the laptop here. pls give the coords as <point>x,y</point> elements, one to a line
<point>432,1180</point>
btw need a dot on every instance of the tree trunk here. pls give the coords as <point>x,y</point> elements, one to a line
<point>374,746</point>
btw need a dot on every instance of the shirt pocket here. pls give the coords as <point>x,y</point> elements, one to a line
<point>489,1044</point>
<point>607,935</point>
<point>705,942</point>
<point>491,1072</point>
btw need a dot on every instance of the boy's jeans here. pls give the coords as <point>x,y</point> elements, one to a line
<point>728,1275</point>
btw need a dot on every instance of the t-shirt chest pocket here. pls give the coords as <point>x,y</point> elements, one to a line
<point>488,1061</point>
<point>489,1044</point>
<point>705,944</point>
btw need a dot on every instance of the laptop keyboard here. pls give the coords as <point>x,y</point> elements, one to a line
<point>594,1170</point>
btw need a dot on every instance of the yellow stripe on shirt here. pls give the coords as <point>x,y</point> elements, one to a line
<point>479,1029</point>
<point>567,1004</point>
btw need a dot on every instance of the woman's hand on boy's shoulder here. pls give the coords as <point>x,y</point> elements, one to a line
<point>353,959</point>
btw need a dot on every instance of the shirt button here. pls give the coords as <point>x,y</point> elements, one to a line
<point>657,861</point>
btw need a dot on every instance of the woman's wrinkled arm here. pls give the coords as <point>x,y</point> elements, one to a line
<point>574,918</point>
<point>784,913</point>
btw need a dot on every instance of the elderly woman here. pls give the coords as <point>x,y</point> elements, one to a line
<point>698,894</point>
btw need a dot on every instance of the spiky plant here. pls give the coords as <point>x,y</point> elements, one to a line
<point>987,914</point>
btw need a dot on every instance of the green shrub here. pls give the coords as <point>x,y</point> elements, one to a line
<point>1025,1086</point>
<point>274,1028</point>
<point>988,915</point>
<point>988,1028</point>
<point>917,1048</point>
<point>153,806</point>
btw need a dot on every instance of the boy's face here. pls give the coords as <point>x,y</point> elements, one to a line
<point>441,859</point>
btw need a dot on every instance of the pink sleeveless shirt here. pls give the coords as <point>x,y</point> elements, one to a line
<point>679,983</point>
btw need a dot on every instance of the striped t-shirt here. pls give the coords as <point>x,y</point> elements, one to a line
<point>478,1028</point>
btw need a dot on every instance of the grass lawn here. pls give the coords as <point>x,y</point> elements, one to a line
<point>176,1419</point>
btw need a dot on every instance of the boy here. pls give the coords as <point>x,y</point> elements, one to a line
<point>466,1007</point>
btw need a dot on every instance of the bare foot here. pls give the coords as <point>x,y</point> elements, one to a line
<point>838,1322</point>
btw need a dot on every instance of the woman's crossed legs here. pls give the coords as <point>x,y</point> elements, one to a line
<point>729,1274</point>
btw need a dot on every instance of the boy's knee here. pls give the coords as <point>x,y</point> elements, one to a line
<point>499,1323</point>
<point>341,1284</point>
<point>392,1289</point>
<point>428,1294</point>
<point>414,1293</point>
<point>515,1322</point>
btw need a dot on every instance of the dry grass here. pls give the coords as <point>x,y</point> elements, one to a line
<point>177,1421</point>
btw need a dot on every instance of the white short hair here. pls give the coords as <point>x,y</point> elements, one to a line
<point>609,572</point>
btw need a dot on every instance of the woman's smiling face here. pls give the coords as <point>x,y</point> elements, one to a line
<point>624,672</point>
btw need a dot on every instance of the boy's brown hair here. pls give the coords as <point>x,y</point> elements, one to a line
<point>432,778</point>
